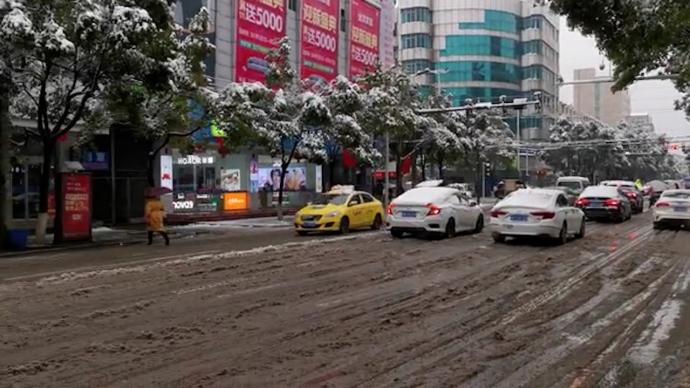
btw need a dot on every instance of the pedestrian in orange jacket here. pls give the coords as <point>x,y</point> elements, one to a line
<point>154,214</point>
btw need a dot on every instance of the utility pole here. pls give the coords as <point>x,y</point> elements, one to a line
<point>386,179</point>
<point>517,127</point>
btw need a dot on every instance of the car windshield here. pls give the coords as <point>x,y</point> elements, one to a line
<point>331,199</point>
<point>679,195</point>
<point>571,185</point>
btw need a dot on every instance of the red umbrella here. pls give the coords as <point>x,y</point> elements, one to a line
<point>157,191</point>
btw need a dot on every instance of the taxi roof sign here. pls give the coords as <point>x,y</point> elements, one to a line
<point>342,189</point>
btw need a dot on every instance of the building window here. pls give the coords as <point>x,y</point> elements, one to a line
<point>416,40</point>
<point>292,5</point>
<point>416,65</point>
<point>494,21</point>
<point>481,45</point>
<point>461,71</point>
<point>416,14</point>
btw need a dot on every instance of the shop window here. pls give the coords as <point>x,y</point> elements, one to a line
<point>183,178</point>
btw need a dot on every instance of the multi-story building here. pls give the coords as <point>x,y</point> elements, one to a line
<point>596,99</point>
<point>643,120</point>
<point>484,50</point>
<point>328,37</point>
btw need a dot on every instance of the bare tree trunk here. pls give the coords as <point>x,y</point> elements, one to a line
<point>440,166</point>
<point>422,158</point>
<point>5,177</point>
<point>283,172</point>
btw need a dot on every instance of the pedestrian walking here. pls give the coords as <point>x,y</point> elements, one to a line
<point>154,213</point>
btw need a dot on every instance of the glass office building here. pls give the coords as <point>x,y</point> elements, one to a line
<point>484,49</point>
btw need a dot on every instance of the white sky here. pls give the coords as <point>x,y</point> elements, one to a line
<point>653,97</point>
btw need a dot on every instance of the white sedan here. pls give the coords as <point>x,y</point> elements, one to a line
<point>537,213</point>
<point>672,209</point>
<point>433,210</point>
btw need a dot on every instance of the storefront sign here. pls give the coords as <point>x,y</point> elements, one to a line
<point>260,26</point>
<point>183,205</point>
<point>235,201</point>
<point>319,48</point>
<point>194,159</point>
<point>166,172</point>
<point>195,203</point>
<point>76,206</point>
<point>230,180</point>
<point>364,37</point>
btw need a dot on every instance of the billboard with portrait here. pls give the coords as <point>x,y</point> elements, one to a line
<point>295,179</point>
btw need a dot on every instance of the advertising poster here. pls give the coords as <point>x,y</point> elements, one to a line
<point>319,48</point>
<point>364,37</point>
<point>230,180</point>
<point>387,49</point>
<point>76,202</point>
<point>319,179</point>
<point>167,171</point>
<point>254,175</point>
<point>260,26</point>
<point>295,179</point>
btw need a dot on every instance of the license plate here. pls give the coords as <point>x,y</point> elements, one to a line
<point>309,224</point>
<point>518,217</point>
<point>596,205</point>
<point>409,214</point>
<point>680,209</point>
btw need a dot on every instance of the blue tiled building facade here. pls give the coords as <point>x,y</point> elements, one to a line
<point>484,49</point>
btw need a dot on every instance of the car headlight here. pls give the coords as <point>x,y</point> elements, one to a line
<point>333,214</point>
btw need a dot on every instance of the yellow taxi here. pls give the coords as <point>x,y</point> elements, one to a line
<point>340,210</point>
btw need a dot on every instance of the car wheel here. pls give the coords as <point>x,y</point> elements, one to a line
<point>563,235</point>
<point>480,224</point>
<point>396,233</point>
<point>344,225</point>
<point>377,222</point>
<point>498,238</point>
<point>301,233</point>
<point>450,228</point>
<point>581,233</point>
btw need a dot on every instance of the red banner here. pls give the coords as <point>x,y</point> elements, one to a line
<point>364,37</point>
<point>319,49</point>
<point>76,205</point>
<point>260,26</point>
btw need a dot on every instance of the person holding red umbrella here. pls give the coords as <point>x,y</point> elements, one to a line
<point>154,213</point>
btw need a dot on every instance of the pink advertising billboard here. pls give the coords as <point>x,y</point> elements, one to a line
<point>319,48</point>
<point>387,37</point>
<point>364,37</point>
<point>260,26</point>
